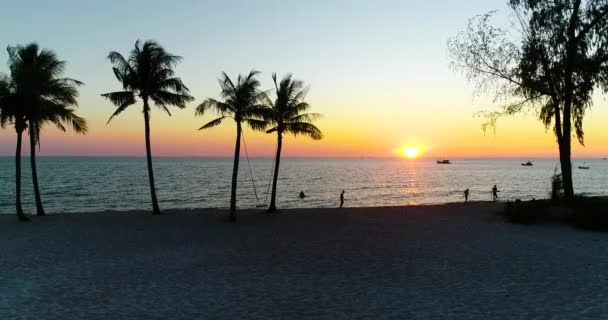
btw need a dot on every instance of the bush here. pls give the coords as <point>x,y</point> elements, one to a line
<point>590,214</point>
<point>519,212</point>
<point>557,186</point>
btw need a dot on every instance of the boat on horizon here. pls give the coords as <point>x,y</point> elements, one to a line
<point>584,166</point>
<point>443,162</point>
<point>527,164</point>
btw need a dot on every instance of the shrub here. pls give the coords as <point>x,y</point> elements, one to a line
<point>557,186</point>
<point>590,214</point>
<point>519,212</point>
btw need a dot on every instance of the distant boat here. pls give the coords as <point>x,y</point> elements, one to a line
<point>584,167</point>
<point>527,164</point>
<point>443,162</point>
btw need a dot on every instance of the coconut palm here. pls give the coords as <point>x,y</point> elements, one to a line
<point>11,114</point>
<point>42,96</point>
<point>148,74</point>
<point>286,115</point>
<point>242,102</point>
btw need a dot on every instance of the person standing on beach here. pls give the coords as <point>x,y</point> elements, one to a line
<point>342,199</point>
<point>466,195</point>
<point>494,193</point>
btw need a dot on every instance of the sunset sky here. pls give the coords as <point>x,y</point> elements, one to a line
<point>378,71</point>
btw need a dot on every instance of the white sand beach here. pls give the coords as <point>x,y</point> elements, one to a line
<point>434,262</point>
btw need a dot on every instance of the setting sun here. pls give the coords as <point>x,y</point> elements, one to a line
<point>411,152</point>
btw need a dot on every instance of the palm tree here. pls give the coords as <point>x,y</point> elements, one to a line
<point>10,113</point>
<point>243,102</point>
<point>42,97</point>
<point>148,74</point>
<point>286,116</point>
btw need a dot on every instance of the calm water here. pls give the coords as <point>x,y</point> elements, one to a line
<point>74,184</point>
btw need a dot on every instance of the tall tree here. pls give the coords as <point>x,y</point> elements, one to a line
<point>10,113</point>
<point>286,115</point>
<point>242,102</point>
<point>43,97</point>
<point>148,74</point>
<point>551,63</point>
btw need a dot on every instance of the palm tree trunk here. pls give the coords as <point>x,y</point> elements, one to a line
<point>20,215</point>
<point>39,207</point>
<point>273,196</point>
<point>235,172</point>
<point>155,209</point>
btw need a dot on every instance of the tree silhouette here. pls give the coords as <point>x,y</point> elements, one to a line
<point>242,102</point>
<point>148,74</point>
<point>559,57</point>
<point>10,113</point>
<point>286,115</point>
<point>41,96</point>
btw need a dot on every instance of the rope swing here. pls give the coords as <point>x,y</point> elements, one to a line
<point>255,191</point>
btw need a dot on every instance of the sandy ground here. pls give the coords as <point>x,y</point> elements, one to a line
<point>437,262</point>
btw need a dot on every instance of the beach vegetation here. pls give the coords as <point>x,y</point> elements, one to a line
<point>39,96</point>
<point>288,115</point>
<point>550,62</point>
<point>243,102</point>
<point>148,74</point>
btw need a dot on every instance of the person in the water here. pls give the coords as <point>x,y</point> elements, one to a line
<point>342,199</point>
<point>466,195</point>
<point>495,193</point>
<point>302,195</point>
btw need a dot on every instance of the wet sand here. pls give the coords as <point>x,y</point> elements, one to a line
<point>435,262</point>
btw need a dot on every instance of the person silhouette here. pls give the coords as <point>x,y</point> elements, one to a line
<point>302,195</point>
<point>466,195</point>
<point>494,193</point>
<point>342,199</point>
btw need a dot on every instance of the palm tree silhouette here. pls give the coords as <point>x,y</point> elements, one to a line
<point>42,97</point>
<point>286,116</point>
<point>10,113</point>
<point>243,102</point>
<point>148,74</point>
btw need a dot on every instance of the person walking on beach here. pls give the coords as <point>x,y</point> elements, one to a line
<point>466,195</point>
<point>494,193</point>
<point>342,199</point>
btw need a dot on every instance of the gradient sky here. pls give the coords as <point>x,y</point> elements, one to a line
<point>378,70</point>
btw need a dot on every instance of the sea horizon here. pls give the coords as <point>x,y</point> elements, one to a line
<point>119,183</point>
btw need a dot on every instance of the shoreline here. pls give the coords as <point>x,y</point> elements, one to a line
<point>248,211</point>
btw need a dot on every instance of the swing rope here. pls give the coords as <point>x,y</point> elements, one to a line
<point>255,191</point>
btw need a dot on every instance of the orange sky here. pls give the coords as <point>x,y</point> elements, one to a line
<point>379,73</point>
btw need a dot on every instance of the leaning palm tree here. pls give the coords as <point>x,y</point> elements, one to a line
<point>286,116</point>
<point>10,113</point>
<point>43,97</point>
<point>148,74</point>
<point>243,102</point>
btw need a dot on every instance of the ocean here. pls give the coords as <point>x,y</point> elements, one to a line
<point>89,184</point>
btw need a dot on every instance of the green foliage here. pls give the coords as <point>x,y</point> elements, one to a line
<point>528,212</point>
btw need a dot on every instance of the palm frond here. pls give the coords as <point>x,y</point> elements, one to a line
<point>212,123</point>
<point>166,98</point>
<point>214,105</point>
<point>255,124</point>
<point>303,128</point>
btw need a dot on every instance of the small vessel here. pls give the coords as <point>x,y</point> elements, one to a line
<point>527,164</point>
<point>443,162</point>
<point>584,166</point>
